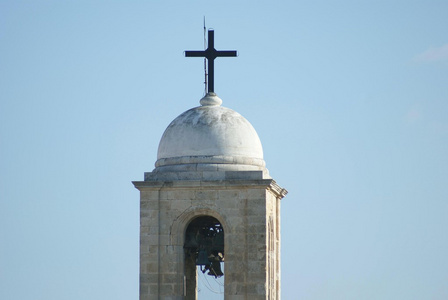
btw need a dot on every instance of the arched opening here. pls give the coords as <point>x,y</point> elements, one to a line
<point>204,256</point>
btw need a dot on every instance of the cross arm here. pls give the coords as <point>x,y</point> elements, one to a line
<point>194,53</point>
<point>225,53</point>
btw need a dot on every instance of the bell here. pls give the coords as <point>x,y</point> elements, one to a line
<point>215,269</point>
<point>202,259</point>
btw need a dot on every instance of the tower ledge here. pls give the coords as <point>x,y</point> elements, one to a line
<point>230,179</point>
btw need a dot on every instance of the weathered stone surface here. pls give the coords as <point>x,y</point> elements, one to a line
<point>210,163</point>
<point>244,206</point>
<point>208,135</point>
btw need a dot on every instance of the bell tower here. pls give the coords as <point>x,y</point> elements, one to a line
<point>209,206</point>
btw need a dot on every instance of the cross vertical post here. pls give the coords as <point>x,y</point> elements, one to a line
<point>210,54</point>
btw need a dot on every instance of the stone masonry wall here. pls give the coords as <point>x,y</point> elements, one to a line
<point>243,207</point>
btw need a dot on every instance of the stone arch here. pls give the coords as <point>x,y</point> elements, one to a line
<point>179,226</point>
<point>177,239</point>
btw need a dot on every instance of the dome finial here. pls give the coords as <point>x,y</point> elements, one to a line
<point>210,99</point>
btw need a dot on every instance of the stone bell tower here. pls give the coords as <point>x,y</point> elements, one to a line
<point>210,202</point>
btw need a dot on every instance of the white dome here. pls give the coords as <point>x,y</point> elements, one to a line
<point>210,137</point>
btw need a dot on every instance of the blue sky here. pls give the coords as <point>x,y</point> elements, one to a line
<point>349,98</point>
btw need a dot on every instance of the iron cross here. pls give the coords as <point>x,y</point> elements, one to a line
<point>210,54</point>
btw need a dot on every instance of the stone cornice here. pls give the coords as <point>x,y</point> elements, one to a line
<point>212,184</point>
<point>281,192</point>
